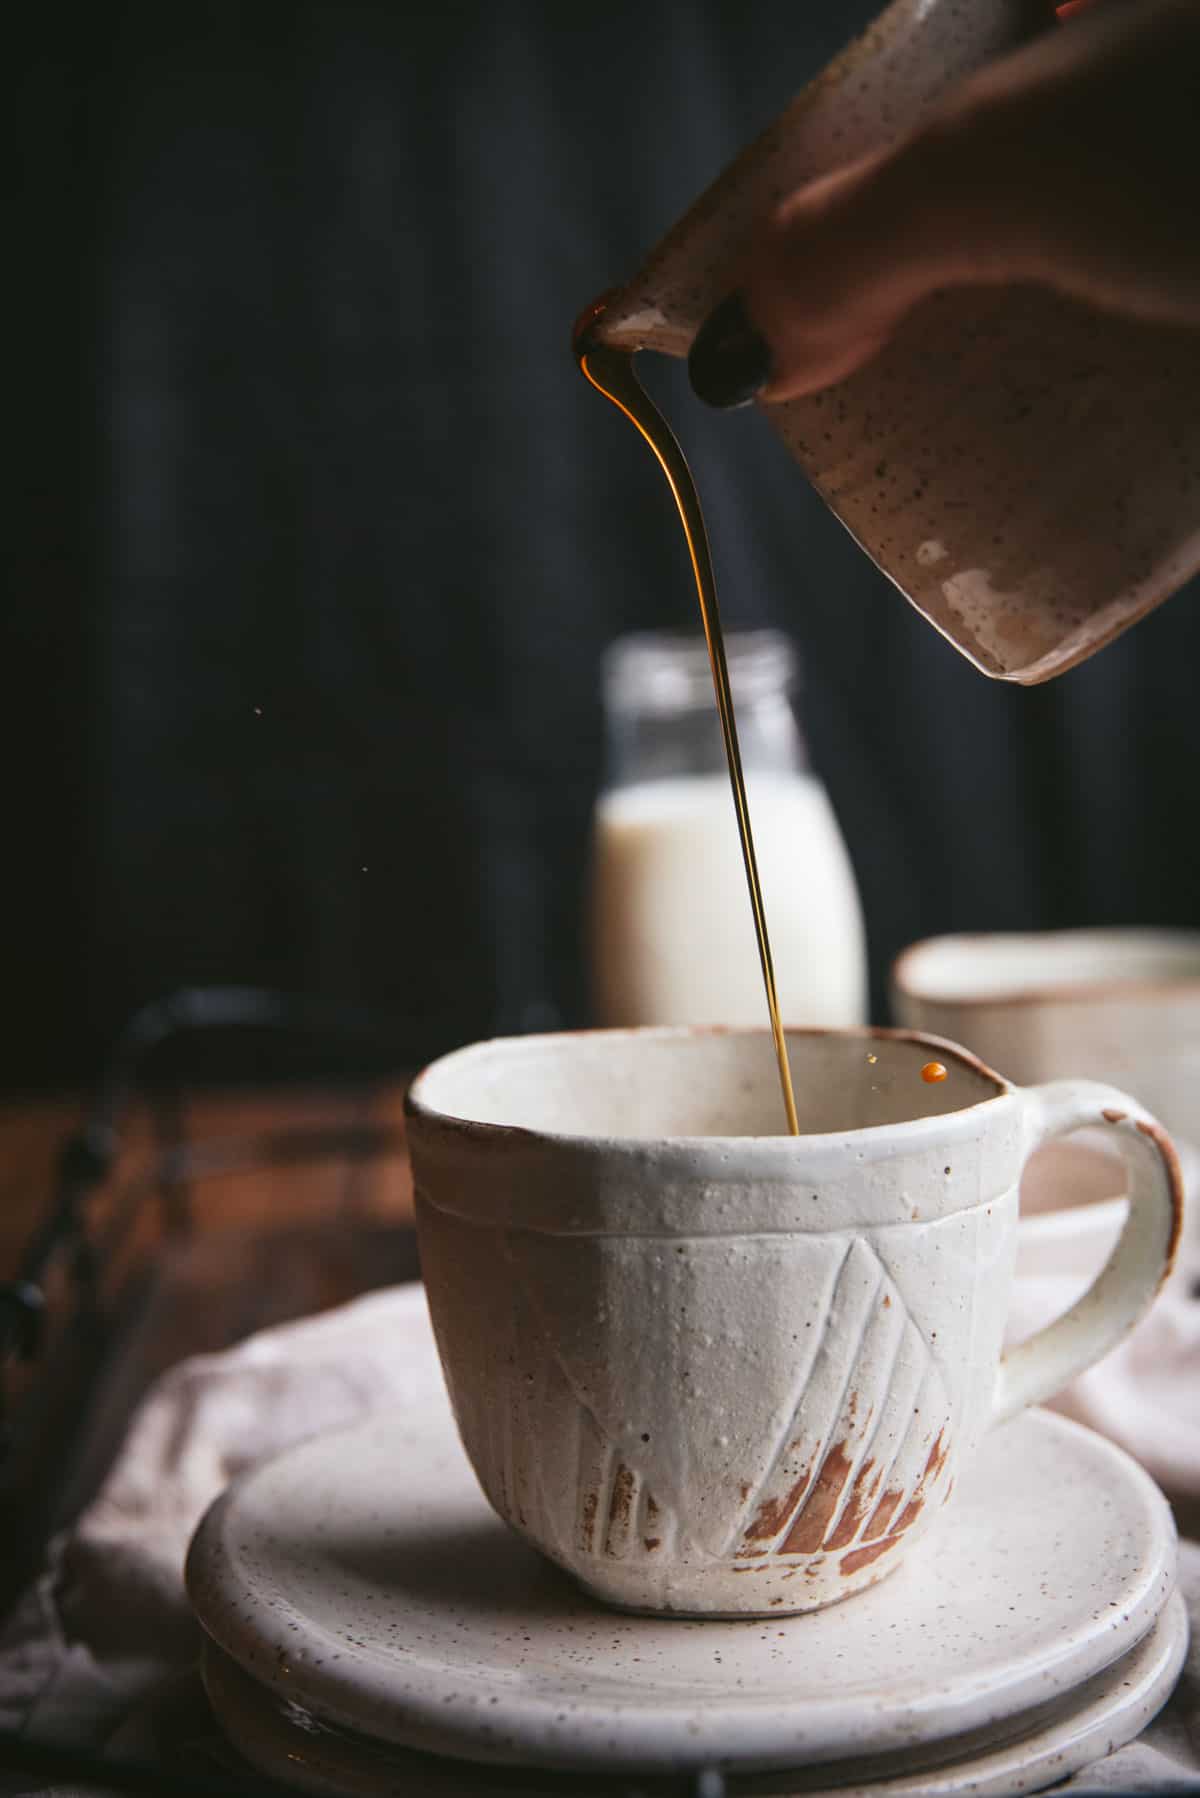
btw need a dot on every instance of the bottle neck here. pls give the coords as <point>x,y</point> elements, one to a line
<point>661,712</point>
<point>649,745</point>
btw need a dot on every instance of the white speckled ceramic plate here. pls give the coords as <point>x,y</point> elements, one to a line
<point>363,1578</point>
<point>1104,1713</point>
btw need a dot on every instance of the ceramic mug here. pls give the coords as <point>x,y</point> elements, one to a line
<point>1120,1005</point>
<point>1020,464</point>
<point>714,1370</point>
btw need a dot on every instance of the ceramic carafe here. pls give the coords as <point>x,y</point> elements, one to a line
<point>1025,468</point>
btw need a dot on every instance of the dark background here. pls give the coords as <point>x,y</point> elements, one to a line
<point>317,536</point>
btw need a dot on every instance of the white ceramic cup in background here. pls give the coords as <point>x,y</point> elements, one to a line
<point>1120,1005</point>
<point>711,1369</point>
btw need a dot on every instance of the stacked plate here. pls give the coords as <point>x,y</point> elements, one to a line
<point>374,1628</point>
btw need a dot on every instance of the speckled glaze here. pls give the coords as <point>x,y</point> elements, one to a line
<point>362,1581</point>
<point>1108,1710</point>
<point>1024,468</point>
<point>1119,1005</point>
<point>711,1370</point>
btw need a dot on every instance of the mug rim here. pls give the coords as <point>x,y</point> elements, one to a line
<point>474,1130</point>
<point>1054,991</point>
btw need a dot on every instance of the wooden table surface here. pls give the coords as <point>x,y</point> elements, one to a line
<point>306,1201</point>
<point>32,1132</point>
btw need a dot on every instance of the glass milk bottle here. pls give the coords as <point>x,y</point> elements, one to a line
<point>672,934</point>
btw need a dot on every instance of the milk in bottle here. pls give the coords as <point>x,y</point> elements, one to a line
<point>672,936</point>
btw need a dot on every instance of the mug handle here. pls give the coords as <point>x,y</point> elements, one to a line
<point>1141,1258</point>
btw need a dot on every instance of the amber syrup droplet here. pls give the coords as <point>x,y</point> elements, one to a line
<point>932,1072</point>
<point>610,372</point>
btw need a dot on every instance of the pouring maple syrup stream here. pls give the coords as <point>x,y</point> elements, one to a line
<point>610,372</point>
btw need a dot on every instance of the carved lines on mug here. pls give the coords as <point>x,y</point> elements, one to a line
<point>869,1433</point>
<point>618,1514</point>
